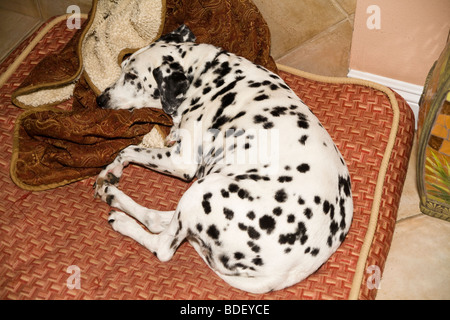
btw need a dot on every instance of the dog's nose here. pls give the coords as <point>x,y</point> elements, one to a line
<point>103,100</point>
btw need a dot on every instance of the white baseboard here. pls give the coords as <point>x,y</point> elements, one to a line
<point>410,92</point>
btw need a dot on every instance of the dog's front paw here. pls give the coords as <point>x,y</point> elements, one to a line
<point>122,223</point>
<point>103,189</point>
<point>104,179</point>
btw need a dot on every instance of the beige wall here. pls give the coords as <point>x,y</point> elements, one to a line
<point>411,37</point>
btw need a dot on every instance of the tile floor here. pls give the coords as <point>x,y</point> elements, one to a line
<point>14,28</point>
<point>417,265</point>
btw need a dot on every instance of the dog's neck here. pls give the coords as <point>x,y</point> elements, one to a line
<point>196,61</point>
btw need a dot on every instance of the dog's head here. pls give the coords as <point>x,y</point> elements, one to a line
<point>152,76</point>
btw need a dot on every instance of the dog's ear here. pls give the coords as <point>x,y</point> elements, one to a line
<point>182,34</point>
<point>172,85</point>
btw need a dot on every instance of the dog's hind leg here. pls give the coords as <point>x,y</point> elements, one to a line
<point>170,160</point>
<point>155,221</point>
<point>163,245</point>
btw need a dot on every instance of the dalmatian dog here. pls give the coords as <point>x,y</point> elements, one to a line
<point>261,223</point>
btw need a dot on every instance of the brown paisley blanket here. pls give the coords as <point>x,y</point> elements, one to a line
<point>54,146</point>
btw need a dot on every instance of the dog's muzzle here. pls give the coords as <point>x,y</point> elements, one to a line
<point>103,100</point>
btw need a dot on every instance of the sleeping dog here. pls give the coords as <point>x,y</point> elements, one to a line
<point>261,223</point>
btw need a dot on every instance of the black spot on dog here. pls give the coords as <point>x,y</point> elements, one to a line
<point>283,179</point>
<point>331,211</point>
<point>253,84</point>
<point>268,125</point>
<point>241,177</point>
<point>224,69</point>
<point>233,188</point>
<point>225,193</point>
<point>243,194</point>
<point>291,218</point>
<point>213,232</point>
<point>229,214</point>
<point>261,97</point>
<point>302,121</point>
<point>342,209</point>
<point>251,215</point>
<point>299,234</point>
<point>330,241</point>
<point>129,76</point>
<point>220,122</point>
<point>284,86</point>
<point>198,83</point>
<point>239,255</point>
<point>277,211</point>
<point>224,259</point>
<point>259,119</point>
<point>253,234</point>
<point>206,204</point>
<point>168,58</point>
<point>308,213</point>
<point>281,195</point>
<point>301,201</point>
<point>278,111</point>
<point>219,82</point>
<point>303,124</point>
<point>199,227</point>
<point>303,139</point>
<point>224,90</point>
<point>242,226</point>
<point>344,184</point>
<point>288,238</point>
<point>334,227</point>
<point>267,223</point>
<point>109,199</point>
<point>194,101</point>
<point>326,207</point>
<point>206,90</point>
<point>257,261</point>
<point>218,119</point>
<point>314,252</point>
<point>255,248</point>
<point>303,168</point>
<point>257,177</point>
